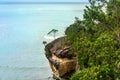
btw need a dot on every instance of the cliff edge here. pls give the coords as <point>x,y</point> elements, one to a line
<point>62,63</point>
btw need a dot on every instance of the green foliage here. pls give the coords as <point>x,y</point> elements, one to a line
<point>94,73</point>
<point>47,50</point>
<point>96,41</point>
<point>53,31</point>
<point>44,42</point>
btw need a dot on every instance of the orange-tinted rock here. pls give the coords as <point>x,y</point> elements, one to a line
<point>60,62</point>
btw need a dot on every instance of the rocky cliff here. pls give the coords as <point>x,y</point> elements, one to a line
<point>62,63</point>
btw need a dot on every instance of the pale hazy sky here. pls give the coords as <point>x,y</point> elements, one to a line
<point>43,0</point>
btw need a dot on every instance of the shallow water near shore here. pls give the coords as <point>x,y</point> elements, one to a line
<point>22,31</point>
<point>24,73</point>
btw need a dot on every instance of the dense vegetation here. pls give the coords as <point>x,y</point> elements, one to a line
<point>96,41</point>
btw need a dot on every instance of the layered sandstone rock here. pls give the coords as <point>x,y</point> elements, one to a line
<point>61,62</point>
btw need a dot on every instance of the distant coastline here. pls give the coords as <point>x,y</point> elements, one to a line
<point>19,3</point>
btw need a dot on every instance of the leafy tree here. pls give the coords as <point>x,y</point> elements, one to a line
<point>44,42</point>
<point>96,41</point>
<point>53,31</point>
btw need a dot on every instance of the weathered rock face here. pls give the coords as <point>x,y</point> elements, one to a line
<point>65,67</point>
<point>61,63</point>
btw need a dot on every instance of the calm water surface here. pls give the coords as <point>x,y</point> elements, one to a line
<point>22,30</point>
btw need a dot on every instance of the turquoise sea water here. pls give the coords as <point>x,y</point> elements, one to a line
<point>22,30</point>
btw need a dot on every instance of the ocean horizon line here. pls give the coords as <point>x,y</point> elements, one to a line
<point>2,3</point>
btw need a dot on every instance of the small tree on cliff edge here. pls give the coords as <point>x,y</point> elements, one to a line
<point>44,42</point>
<point>53,31</point>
